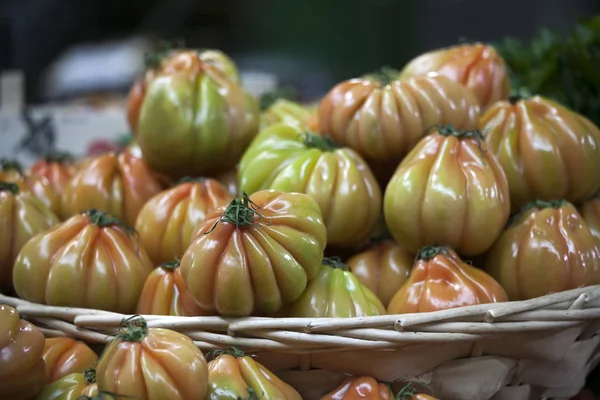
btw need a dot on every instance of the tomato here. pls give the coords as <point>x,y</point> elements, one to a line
<point>284,157</point>
<point>229,180</point>
<point>71,387</point>
<point>165,293</point>
<point>12,171</point>
<point>441,280</point>
<point>48,178</point>
<point>256,254</point>
<point>477,66</point>
<point>64,356</point>
<point>152,363</point>
<point>22,216</point>
<point>287,112</point>
<point>336,293</point>
<point>590,211</point>
<point>546,150</point>
<point>448,191</point>
<point>21,363</point>
<point>92,260</point>
<point>383,118</point>
<point>119,184</point>
<point>167,221</point>
<point>409,392</point>
<point>361,387</point>
<point>547,248</point>
<point>190,118</point>
<point>383,267</point>
<point>233,375</point>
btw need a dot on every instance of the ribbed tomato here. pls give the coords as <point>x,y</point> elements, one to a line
<point>22,216</point>
<point>547,248</point>
<point>256,254</point>
<point>165,293</point>
<point>285,157</point>
<point>167,221</point>
<point>546,150</point>
<point>361,387</point>
<point>441,280</point>
<point>151,364</point>
<point>590,211</point>
<point>285,111</point>
<point>74,386</point>
<point>49,177</point>
<point>448,191</point>
<point>64,356</point>
<point>476,66</point>
<point>91,260</point>
<point>21,363</point>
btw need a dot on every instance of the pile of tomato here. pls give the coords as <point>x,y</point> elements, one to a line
<point>404,191</point>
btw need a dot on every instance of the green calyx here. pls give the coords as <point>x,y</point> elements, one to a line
<point>409,391</point>
<point>60,157</point>
<point>171,265</point>
<point>430,252</point>
<point>385,75</point>
<point>314,141</point>
<point>9,187</point>
<point>285,92</point>
<point>90,375</point>
<point>102,219</point>
<point>537,204</point>
<point>335,262</point>
<point>163,49</point>
<point>134,329</point>
<point>241,212</point>
<point>518,95</point>
<point>10,165</point>
<point>231,351</point>
<point>449,130</point>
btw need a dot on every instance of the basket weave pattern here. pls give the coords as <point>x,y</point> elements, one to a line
<point>539,348</point>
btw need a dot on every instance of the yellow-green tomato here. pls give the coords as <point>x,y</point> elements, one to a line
<point>70,387</point>
<point>286,158</point>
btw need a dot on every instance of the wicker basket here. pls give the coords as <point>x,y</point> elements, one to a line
<point>535,349</point>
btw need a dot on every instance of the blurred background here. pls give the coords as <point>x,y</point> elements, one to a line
<point>67,49</point>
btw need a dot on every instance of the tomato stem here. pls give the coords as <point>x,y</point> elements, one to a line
<point>163,49</point>
<point>409,391</point>
<point>134,329</point>
<point>231,350</point>
<point>385,75</point>
<point>9,187</point>
<point>241,212</point>
<point>171,266</point>
<point>518,95</point>
<point>90,375</point>
<point>10,165</point>
<point>335,262</point>
<point>323,143</point>
<point>430,252</point>
<point>59,157</point>
<point>449,130</point>
<point>102,219</point>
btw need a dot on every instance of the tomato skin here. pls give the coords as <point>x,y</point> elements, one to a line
<point>225,267</point>
<point>444,281</point>
<point>69,387</point>
<point>231,378</point>
<point>384,122</point>
<point>165,293</point>
<point>64,356</point>
<point>362,387</point>
<point>82,264</point>
<point>382,268</point>
<point>164,364</point>
<point>287,112</point>
<point>447,191</point>
<point>590,212</point>
<point>167,221</point>
<point>21,364</point>
<point>546,150</point>
<point>548,248</point>
<point>477,66</point>
<point>340,181</point>
<point>210,118</point>
<point>48,178</point>
<point>22,216</point>
<point>336,293</point>
<point>119,184</point>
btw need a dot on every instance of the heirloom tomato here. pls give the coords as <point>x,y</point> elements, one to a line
<point>449,190</point>
<point>477,66</point>
<point>22,216</point>
<point>119,184</point>
<point>256,254</point>
<point>361,387</point>
<point>233,375</point>
<point>547,248</point>
<point>49,177</point>
<point>21,363</point>
<point>336,293</point>
<point>383,118</point>
<point>71,387</point>
<point>165,293</point>
<point>91,260</point>
<point>440,280</point>
<point>284,157</point>
<point>167,221</point>
<point>191,118</point>
<point>64,356</point>
<point>383,267</point>
<point>590,211</point>
<point>152,364</point>
<point>285,111</point>
<point>546,150</point>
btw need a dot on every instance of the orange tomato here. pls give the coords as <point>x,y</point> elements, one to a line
<point>362,387</point>
<point>64,356</point>
<point>91,260</point>
<point>49,177</point>
<point>21,363</point>
<point>441,280</point>
<point>383,268</point>
<point>546,150</point>
<point>119,184</point>
<point>590,211</point>
<point>165,293</point>
<point>547,248</point>
<point>449,190</point>
<point>152,363</point>
<point>476,66</point>
<point>167,221</point>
